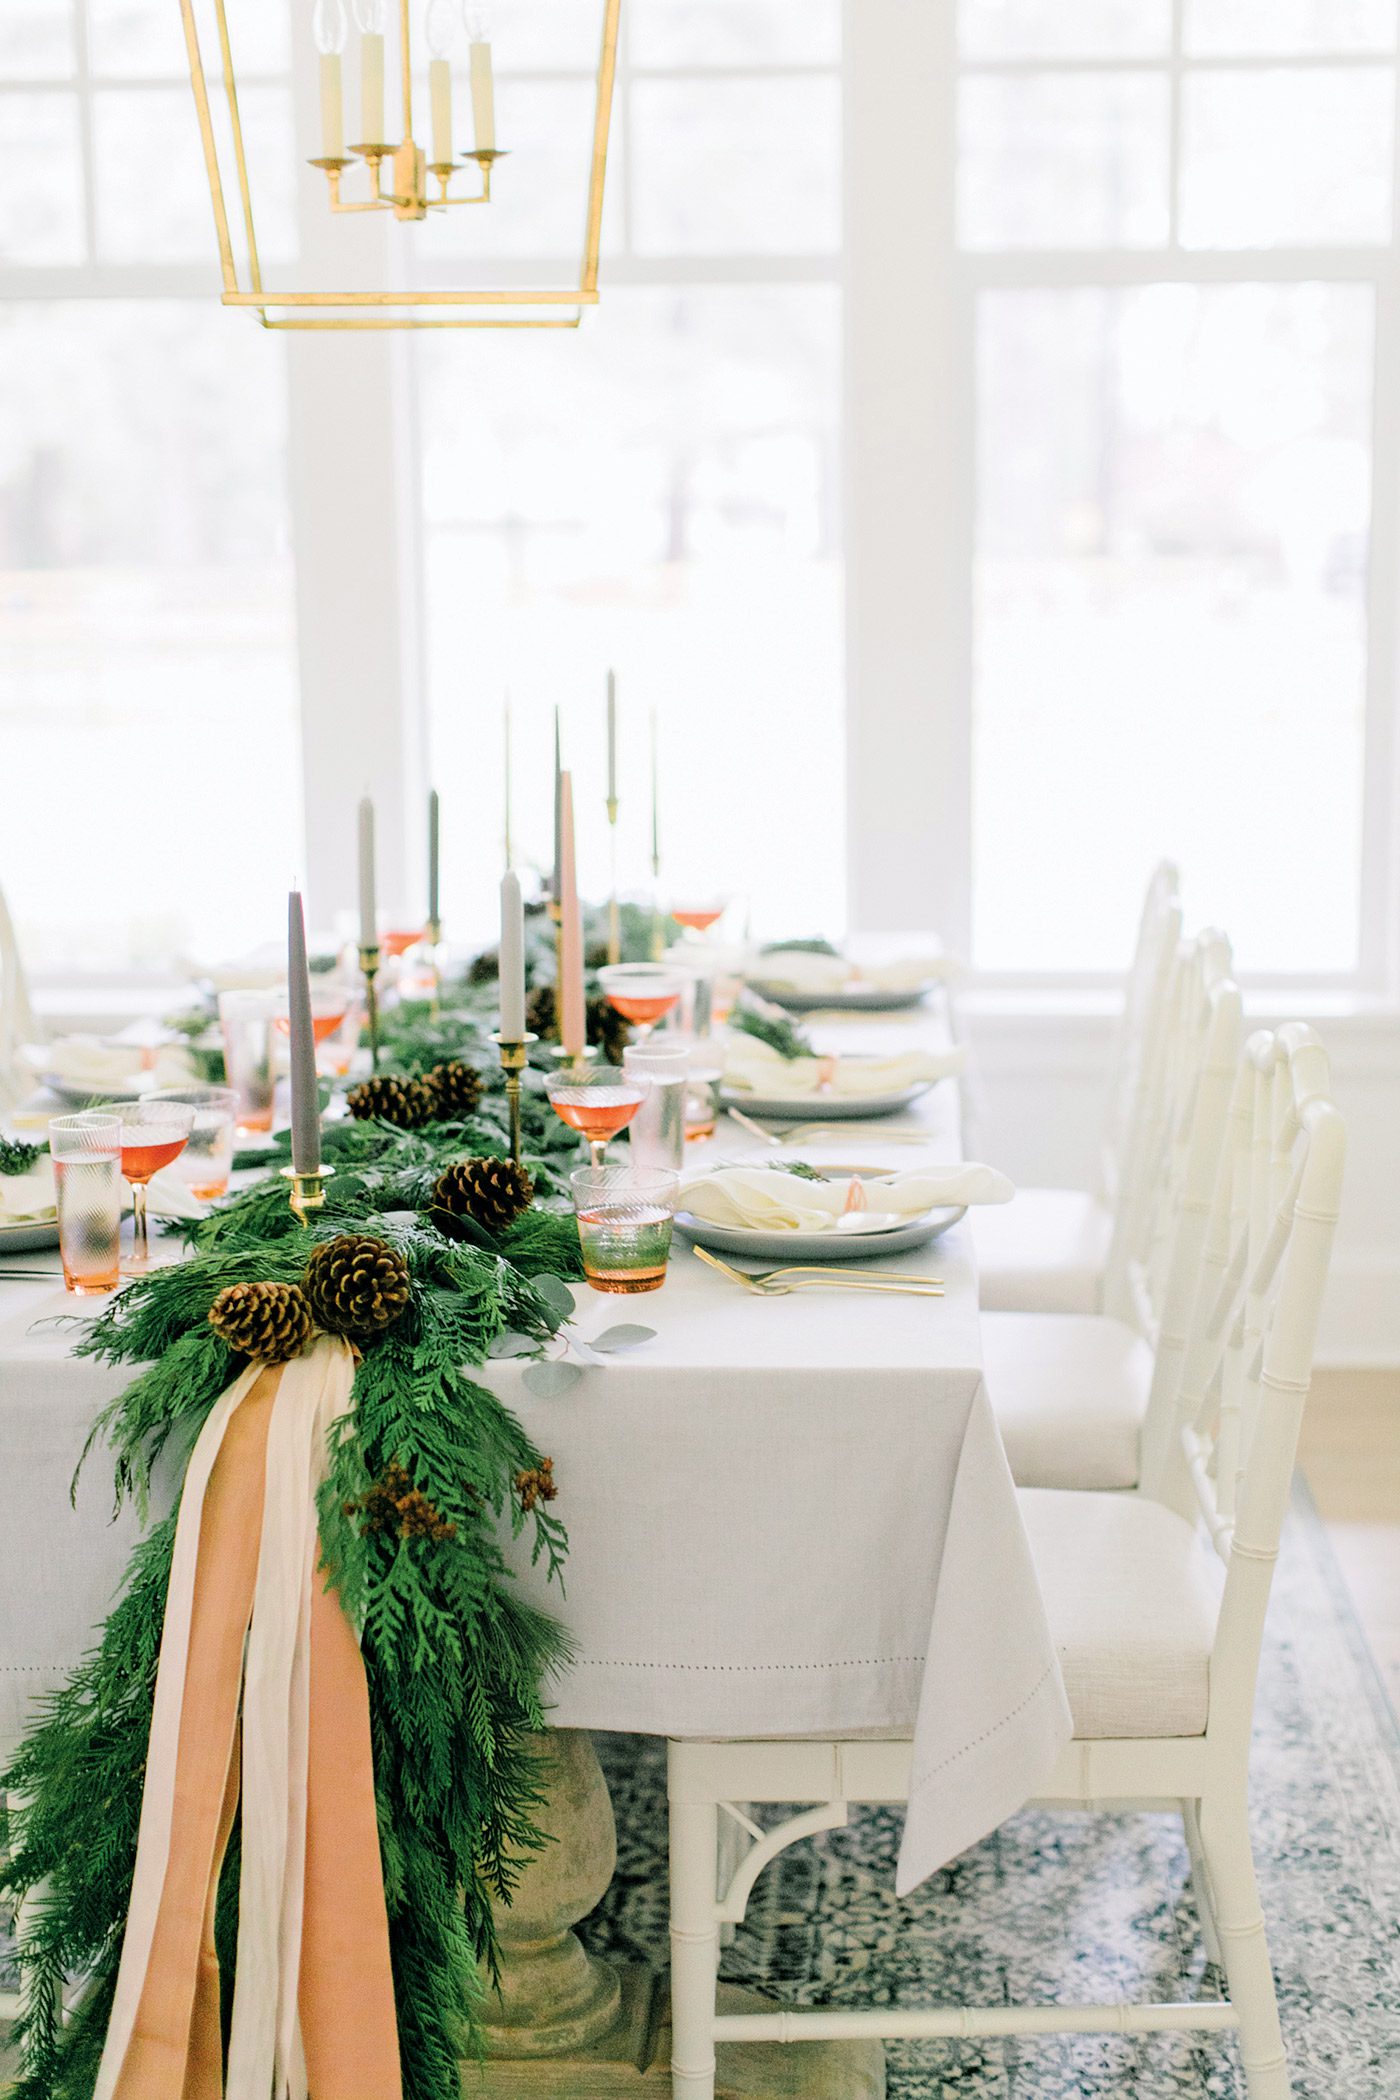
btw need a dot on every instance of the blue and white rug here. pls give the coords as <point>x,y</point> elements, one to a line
<point>1095,1907</point>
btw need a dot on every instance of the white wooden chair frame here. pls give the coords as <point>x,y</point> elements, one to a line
<point>1246,1365</point>
<point>1138,1068</point>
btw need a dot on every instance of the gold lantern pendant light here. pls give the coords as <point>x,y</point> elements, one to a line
<point>407,179</point>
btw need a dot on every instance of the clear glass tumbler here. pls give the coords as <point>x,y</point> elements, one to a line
<point>656,1134</point>
<point>207,1159</point>
<point>86,1152</point>
<point>624,1225</point>
<point>248,1020</point>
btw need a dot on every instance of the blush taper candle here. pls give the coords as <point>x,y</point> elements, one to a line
<point>572,1023</point>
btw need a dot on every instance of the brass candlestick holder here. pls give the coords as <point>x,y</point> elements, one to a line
<point>574,1060</point>
<point>434,942</point>
<point>515,1055</point>
<point>369,970</point>
<point>306,1192</point>
<point>614,912</point>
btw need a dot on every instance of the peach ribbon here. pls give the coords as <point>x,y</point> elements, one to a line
<point>249,1613</point>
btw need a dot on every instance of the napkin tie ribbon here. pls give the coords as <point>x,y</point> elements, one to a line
<point>261,1698</point>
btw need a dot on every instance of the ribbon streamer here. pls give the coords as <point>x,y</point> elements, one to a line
<point>260,1692</point>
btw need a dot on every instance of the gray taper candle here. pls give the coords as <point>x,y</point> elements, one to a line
<point>306,1106</point>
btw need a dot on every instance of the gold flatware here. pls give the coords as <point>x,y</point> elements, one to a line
<point>798,1132</point>
<point>736,1115</point>
<point>777,1283</point>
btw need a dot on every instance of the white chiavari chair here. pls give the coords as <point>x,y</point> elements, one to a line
<point>1074,1393</point>
<point>1159,1647</point>
<point>1054,1249</point>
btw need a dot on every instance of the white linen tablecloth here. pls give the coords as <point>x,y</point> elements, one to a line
<point>786,1516</point>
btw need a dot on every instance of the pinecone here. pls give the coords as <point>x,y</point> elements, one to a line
<point>456,1090</point>
<point>268,1321</point>
<point>406,1103</point>
<point>356,1285</point>
<point>484,968</point>
<point>493,1192</point>
<point>605,1025</point>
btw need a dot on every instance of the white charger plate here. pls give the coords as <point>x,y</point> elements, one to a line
<point>823,1107</point>
<point>850,999</point>
<point>80,1096</point>
<point>765,1244</point>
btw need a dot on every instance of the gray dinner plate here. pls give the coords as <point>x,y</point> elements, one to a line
<point>799,1247</point>
<point>867,999</point>
<point>824,1108</point>
<point>81,1096</point>
<point>27,1239</point>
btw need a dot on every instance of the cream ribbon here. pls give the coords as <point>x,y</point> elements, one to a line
<point>162,2038</point>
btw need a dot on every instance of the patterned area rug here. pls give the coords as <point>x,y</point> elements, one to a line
<point>1093,1907</point>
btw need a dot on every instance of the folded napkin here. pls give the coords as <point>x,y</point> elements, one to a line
<point>28,1199</point>
<point>756,1068</point>
<point>768,1199</point>
<point>798,970</point>
<point>89,1060</point>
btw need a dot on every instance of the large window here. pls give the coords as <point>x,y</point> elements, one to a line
<point>1176,224</point>
<point>1069,330</point>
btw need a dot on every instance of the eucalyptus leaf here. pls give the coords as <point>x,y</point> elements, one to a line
<point>512,1345</point>
<point>556,1295</point>
<point>626,1336</point>
<point>548,1381</point>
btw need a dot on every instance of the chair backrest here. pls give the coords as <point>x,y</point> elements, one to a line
<point>1249,1351</point>
<point>1159,930</point>
<point>17,1022</point>
<point>1163,1264</point>
<point>1154,1170</point>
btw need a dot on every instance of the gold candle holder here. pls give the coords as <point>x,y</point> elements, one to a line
<point>307,1192</point>
<point>434,942</point>
<point>614,914</point>
<point>574,1060</point>
<point>369,970</point>
<point>514,1058</point>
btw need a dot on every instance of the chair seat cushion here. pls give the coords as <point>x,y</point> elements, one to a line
<point>1069,1392</point>
<point>1132,1597</point>
<point>1044,1251</point>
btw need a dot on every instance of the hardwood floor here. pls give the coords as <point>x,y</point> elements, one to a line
<point>1350,1458</point>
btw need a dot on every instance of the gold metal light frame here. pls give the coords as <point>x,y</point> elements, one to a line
<point>564,306</point>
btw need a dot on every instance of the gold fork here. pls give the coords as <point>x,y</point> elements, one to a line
<point>769,1283</point>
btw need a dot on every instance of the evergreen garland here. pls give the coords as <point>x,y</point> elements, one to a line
<point>454,1657</point>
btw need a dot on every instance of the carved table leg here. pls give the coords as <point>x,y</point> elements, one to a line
<point>570,2027</point>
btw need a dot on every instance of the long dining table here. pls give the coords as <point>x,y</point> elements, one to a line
<point>787,1516</point>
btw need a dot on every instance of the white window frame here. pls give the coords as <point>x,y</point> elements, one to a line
<point>911,308</point>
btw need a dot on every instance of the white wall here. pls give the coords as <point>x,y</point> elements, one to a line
<point>1040,1079</point>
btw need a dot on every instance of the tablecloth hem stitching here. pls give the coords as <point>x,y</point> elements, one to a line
<point>924,1773</point>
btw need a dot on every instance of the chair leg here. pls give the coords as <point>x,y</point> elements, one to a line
<point>1200,1883</point>
<point>694,1946</point>
<point>1239,1922</point>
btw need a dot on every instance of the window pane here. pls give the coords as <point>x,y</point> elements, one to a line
<point>735,32</point>
<point>145,622</point>
<point>540,193</point>
<point>1289,25</point>
<point>41,198</point>
<point>36,39</point>
<point>1283,157</point>
<point>152,190</point>
<point>658,492</point>
<point>1055,29</point>
<point>146,38</point>
<point>1063,161</point>
<point>549,35</point>
<point>1170,616</point>
<point>736,167</point>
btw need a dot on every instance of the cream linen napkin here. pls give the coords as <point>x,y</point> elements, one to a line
<point>756,1068</point>
<point>769,1200</point>
<point>28,1199</point>
<point>798,970</point>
